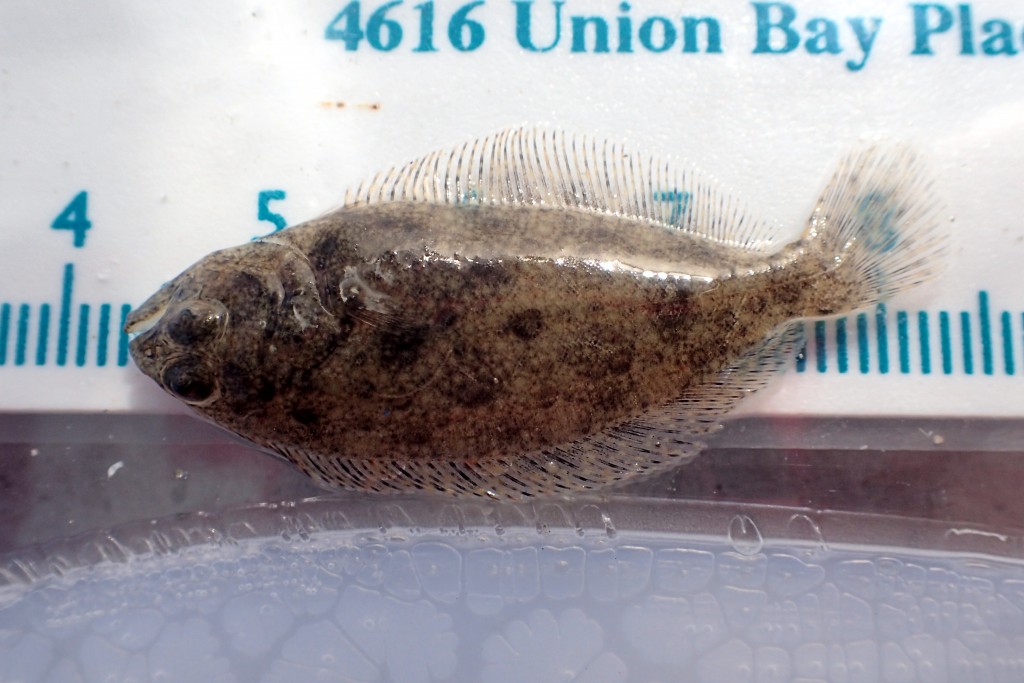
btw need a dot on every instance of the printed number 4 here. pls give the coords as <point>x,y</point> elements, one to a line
<point>382,33</point>
<point>385,34</point>
<point>75,218</point>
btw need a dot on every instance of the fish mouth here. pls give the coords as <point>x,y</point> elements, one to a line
<point>146,316</point>
<point>142,320</point>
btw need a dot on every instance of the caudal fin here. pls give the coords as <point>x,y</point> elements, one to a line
<point>878,224</point>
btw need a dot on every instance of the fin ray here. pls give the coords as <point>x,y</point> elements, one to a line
<point>878,217</point>
<point>540,166</point>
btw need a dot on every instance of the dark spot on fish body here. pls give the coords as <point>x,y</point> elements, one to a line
<point>340,335</point>
<point>469,391</point>
<point>301,380</point>
<point>526,324</point>
<point>248,287</point>
<point>401,345</point>
<point>244,388</point>
<point>265,391</point>
<point>331,253</point>
<point>363,388</point>
<point>488,275</point>
<point>236,379</point>
<point>328,258</point>
<point>305,416</point>
<point>445,316</point>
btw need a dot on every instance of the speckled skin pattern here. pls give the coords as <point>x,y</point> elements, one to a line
<point>411,332</point>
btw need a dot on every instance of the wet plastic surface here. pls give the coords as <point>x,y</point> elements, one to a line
<point>65,475</point>
<point>159,549</point>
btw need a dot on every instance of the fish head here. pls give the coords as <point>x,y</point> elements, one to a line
<point>208,336</point>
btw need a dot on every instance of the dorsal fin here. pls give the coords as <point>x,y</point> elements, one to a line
<point>542,167</point>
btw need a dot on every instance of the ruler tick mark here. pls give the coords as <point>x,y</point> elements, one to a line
<point>842,361</point>
<point>44,334</point>
<point>924,335</point>
<point>985,326</point>
<point>801,356</point>
<point>19,348</point>
<point>122,339</point>
<point>83,334</point>
<point>965,334</point>
<point>5,331</point>
<point>1007,343</point>
<point>862,343</point>
<point>104,335</point>
<point>65,314</point>
<point>903,340</point>
<point>819,345</point>
<point>882,337</point>
<point>946,342</point>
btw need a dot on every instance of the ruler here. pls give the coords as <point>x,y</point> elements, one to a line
<point>95,340</point>
<point>148,136</point>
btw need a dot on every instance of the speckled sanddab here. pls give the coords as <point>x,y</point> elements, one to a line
<point>525,314</point>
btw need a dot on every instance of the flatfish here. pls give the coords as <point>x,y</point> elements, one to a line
<point>525,314</point>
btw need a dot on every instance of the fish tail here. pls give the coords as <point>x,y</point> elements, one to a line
<point>875,229</point>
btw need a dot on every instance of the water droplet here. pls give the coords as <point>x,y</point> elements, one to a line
<point>802,527</point>
<point>609,528</point>
<point>744,535</point>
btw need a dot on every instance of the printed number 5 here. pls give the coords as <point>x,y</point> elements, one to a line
<point>264,213</point>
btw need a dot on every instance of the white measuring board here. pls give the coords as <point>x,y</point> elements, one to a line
<point>137,137</point>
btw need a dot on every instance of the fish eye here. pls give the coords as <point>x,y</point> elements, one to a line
<point>190,380</point>
<point>195,323</point>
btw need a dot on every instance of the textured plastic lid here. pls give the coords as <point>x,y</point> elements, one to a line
<point>414,591</point>
<point>730,568</point>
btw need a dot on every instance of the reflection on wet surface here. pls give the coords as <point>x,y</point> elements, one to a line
<point>64,475</point>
